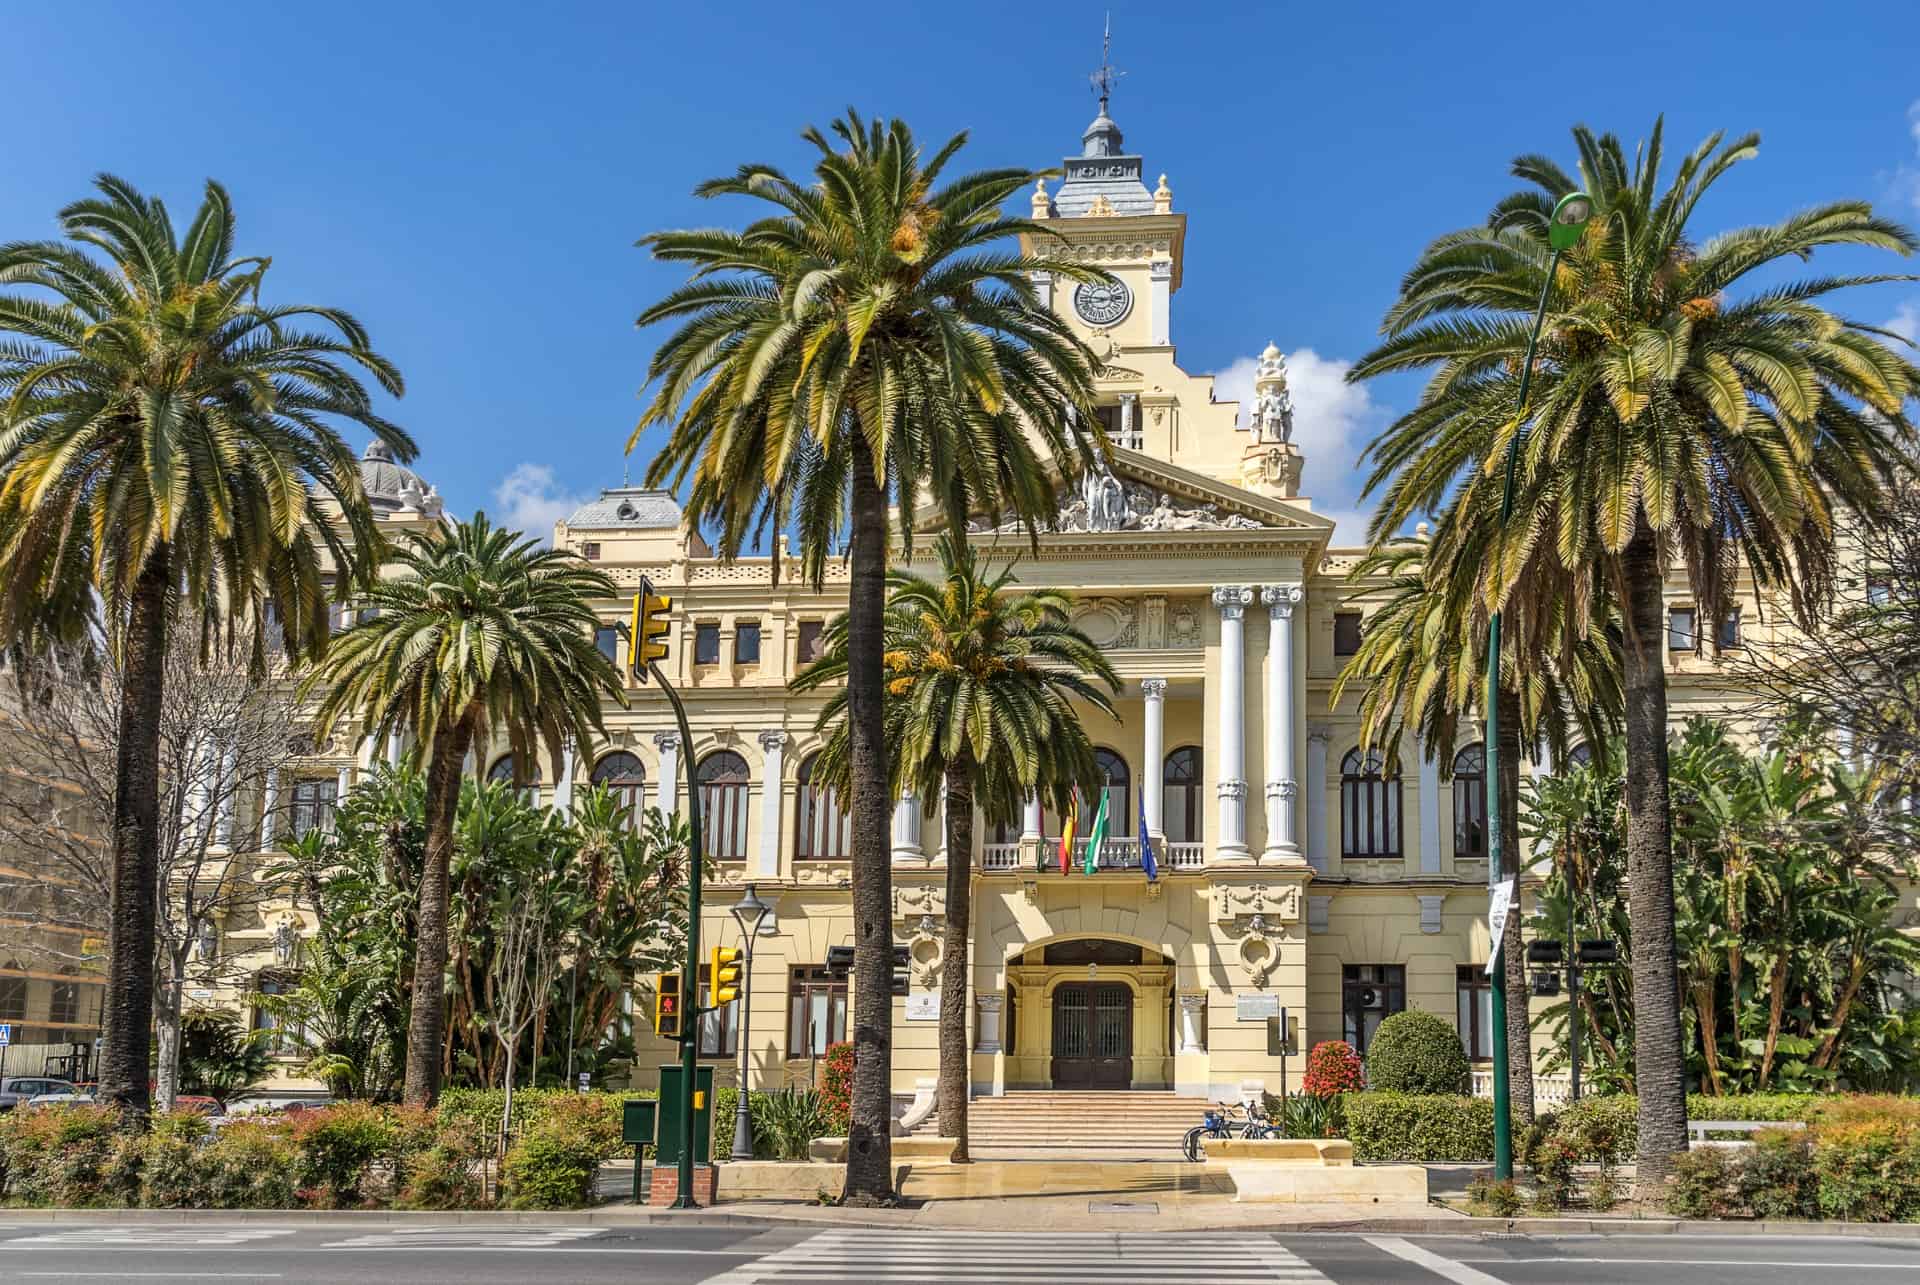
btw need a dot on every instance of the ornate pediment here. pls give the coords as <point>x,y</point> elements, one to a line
<point>1140,494</point>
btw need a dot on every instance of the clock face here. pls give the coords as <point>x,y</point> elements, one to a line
<point>1102,303</point>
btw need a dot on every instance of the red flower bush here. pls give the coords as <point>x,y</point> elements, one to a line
<point>836,1083</point>
<point>1333,1068</point>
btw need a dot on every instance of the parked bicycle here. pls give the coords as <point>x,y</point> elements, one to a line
<point>1232,1120</point>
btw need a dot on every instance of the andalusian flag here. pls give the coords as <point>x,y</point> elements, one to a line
<point>1066,835</point>
<point>1098,834</point>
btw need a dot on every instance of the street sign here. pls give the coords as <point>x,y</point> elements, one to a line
<point>6,1033</point>
<point>1497,919</point>
<point>586,1081</point>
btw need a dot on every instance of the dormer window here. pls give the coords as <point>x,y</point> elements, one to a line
<point>590,551</point>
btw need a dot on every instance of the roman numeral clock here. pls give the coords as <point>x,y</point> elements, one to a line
<point>1102,303</point>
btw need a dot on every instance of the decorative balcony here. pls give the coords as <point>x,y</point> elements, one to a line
<point>1121,853</point>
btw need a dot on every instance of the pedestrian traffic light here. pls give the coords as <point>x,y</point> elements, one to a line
<point>647,636</point>
<point>839,960</point>
<point>899,986</point>
<point>1595,953</point>
<point>723,973</point>
<point>668,1007</point>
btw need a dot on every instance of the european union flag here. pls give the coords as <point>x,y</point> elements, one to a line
<point>1147,863</point>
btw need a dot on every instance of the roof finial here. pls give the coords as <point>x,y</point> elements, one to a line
<point>1103,78</point>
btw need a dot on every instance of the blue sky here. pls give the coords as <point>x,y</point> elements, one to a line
<point>470,179</point>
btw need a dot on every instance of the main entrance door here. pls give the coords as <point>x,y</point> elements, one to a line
<point>1092,1036</point>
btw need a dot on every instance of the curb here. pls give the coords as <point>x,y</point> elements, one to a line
<point>627,1216</point>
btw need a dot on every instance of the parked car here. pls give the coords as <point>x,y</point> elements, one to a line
<point>60,1100</point>
<point>16,1090</point>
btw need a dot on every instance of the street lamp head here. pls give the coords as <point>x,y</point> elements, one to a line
<point>751,913</point>
<point>1569,220</point>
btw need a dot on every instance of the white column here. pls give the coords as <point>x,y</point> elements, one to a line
<point>666,791</point>
<point>1543,762</point>
<point>1030,819</point>
<point>1043,287</point>
<point>1129,421</point>
<point>1191,1007</point>
<point>344,783</point>
<point>269,804</point>
<point>990,1006</point>
<point>1317,736</point>
<point>1283,843</point>
<point>1232,601</point>
<point>563,783</point>
<point>1153,775</point>
<point>1160,301</point>
<point>1429,809</point>
<point>772,743</point>
<point>226,788</point>
<point>394,744</point>
<point>907,849</point>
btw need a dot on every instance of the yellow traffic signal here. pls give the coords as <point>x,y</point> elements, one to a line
<point>647,637</point>
<point>724,974</point>
<point>667,1006</point>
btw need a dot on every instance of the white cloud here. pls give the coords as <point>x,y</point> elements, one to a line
<point>1904,181</point>
<point>1332,422</point>
<point>1906,322</point>
<point>530,499</point>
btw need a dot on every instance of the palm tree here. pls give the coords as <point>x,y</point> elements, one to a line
<point>1422,666</point>
<point>167,452</point>
<point>1670,421</point>
<point>869,336</point>
<point>980,690</point>
<point>476,631</point>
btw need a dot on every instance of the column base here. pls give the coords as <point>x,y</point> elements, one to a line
<point>1233,855</point>
<point>1283,855</point>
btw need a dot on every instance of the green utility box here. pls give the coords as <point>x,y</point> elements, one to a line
<point>666,1149</point>
<point>636,1121</point>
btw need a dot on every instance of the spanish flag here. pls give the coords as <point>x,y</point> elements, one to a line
<point>1066,834</point>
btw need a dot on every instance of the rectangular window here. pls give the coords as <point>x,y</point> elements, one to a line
<point>1680,634</point>
<point>313,802</point>
<point>1730,629</point>
<point>816,1011</point>
<point>13,999</point>
<point>590,551</point>
<point>1346,632</point>
<point>812,640</point>
<point>719,1028</point>
<point>284,1039</point>
<point>1879,590</point>
<point>706,644</point>
<point>65,1007</point>
<point>1473,994</point>
<point>1369,995</point>
<point>607,639</point>
<point>746,642</point>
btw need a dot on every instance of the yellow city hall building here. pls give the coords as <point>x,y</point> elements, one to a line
<point>1293,872</point>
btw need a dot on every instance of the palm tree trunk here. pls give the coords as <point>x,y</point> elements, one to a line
<point>426,1027</point>
<point>1660,1062</point>
<point>1709,1033</point>
<point>1513,963</point>
<point>954,964</point>
<point>870,1137</point>
<point>1856,973</point>
<point>128,1009</point>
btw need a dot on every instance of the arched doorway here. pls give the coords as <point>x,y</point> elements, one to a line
<point>1088,1013</point>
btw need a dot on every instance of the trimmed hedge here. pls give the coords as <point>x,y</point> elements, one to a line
<point>1859,1159</point>
<point>1411,1127</point>
<point>1416,1052</point>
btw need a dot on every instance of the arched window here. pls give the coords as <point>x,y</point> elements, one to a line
<point>625,775</point>
<point>1470,801</point>
<point>1112,769</point>
<point>501,773</point>
<point>1369,807</point>
<point>724,786</point>
<point>1580,755</point>
<point>1182,811</point>
<point>824,830</point>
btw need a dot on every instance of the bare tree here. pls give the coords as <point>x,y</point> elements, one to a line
<point>525,959</point>
<point>224,734</point>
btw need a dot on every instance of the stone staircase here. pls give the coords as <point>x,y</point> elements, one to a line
<point>1066,1124</point>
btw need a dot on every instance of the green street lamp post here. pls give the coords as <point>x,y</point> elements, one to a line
<point>1564,229</point>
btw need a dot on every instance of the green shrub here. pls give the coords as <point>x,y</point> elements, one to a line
<point>1702,1185</point>
<point>70,1157</point>
<point>792,1118</point>
<point>1604,1190</point>
<point>1416,1052</point>
<point>1776,1178</point>
<point>475,1113</point>
<point>553,1163</point>
<point>1551,1165</point>
<point>251,1164</point>
<point>1408,1127</point>
<point>335,1150</point>
<point>1491,1198</point>
<point>441,1177</point>
<point>1601,1130</point>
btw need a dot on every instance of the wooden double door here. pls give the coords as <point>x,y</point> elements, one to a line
<point>1092,1036</point>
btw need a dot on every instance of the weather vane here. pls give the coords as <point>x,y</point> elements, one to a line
<point>1102,80</point>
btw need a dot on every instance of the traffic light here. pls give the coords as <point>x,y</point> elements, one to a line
<point>899,983</point>
<point>1595,953</point>
<point>668,1006</point>
<point>1545,952</point>
<point>647,635</point>
<point>723,972</point>
<point>839,960</point>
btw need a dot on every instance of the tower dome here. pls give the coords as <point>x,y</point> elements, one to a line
<point>393,488</point>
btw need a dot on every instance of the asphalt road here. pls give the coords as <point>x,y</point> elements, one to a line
<point>347,1251</point>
